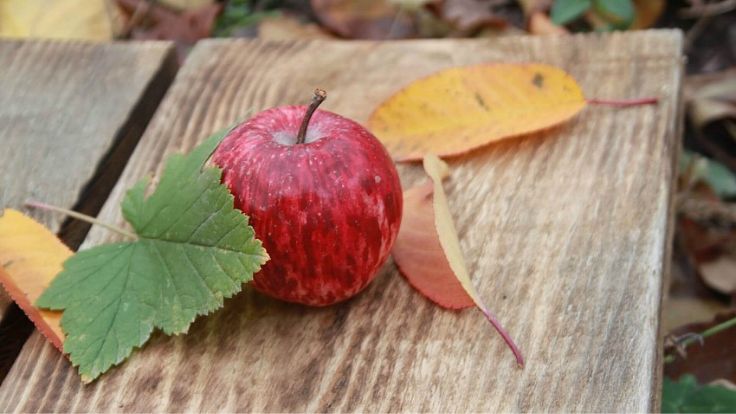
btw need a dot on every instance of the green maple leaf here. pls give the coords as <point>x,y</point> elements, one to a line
<point>193,249</point>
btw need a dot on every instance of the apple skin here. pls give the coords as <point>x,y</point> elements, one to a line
<point>327,210</point>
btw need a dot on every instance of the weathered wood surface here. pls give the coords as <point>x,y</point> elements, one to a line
<point>69,111</point>
<point>565,233</point>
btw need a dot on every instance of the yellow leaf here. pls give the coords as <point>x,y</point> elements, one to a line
<point>56,19</point>
<point>437,170</point>
<point>459,109</point>
<point>30,257</point>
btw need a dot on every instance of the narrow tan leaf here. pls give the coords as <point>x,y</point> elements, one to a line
<point>427,251</point>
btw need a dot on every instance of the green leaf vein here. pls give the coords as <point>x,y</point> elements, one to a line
<point>194,250</point>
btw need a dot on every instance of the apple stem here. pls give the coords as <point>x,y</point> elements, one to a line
<point>319,96</point>
<point>80,216</point>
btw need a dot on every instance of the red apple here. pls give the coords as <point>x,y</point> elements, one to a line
<point>322,195</point>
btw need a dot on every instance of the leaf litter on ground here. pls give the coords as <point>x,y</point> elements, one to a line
<point>150,20</point>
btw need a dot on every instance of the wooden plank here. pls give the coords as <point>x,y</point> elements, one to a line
<point>565,233</point>
<point>70,115</point>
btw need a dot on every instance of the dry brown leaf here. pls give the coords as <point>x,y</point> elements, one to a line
<point>534,6</point>
<point>703,243</point>
<point>410,4</point>
<point>468,16</point>
<point>540,24</point>
<point>647,13</point>
<point>596,21</point>
<point>720,274</point>
<point>186,4</point>
<point>711,97</point>
<point>498,32</point>
<point>365,19</point>
<point>688,300</point>
<point>683,310</point>
<point>57,19</point>
<point>150,21</point>
<point>290,28</point>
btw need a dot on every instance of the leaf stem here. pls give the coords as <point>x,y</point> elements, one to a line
<point>623,103</point>
<point>319,96</point>
<point>706,333</point>
<point>505,335</point>
<point>80,216</point>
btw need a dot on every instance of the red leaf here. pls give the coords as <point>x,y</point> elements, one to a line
<point>429,254</point>
<point>419,255</point>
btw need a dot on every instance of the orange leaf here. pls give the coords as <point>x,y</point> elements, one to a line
<point>459,109</point>
<point>647,13</point>
<point>427,250</point>
<point>30,257</point>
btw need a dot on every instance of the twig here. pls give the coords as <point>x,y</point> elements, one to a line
<point>688,340</point>
<point>394,23</point>
<point>138,15</point>
<point>705,210</point>
<point>695,32</point>
<point>80,216</point>
<point>708,9</point>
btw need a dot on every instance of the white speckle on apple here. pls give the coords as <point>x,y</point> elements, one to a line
<point>377,179</point>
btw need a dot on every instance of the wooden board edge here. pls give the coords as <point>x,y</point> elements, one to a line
<point>14,323</point>
<point>678,124</point>
<point>676,36</point>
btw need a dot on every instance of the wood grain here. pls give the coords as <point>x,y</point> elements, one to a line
<point>565,234</point>
<point>70,114</point>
